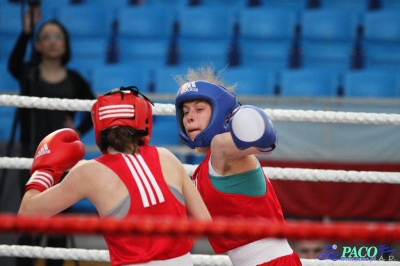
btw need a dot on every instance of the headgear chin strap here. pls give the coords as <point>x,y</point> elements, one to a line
<point>122,107</point>
<point>222,101</point>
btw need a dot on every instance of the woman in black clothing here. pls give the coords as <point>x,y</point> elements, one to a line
<point>46,75</point>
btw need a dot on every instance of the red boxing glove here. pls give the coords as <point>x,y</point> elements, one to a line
<point>56,153</point>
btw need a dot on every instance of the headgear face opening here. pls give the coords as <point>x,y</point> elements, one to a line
<point>222,101</point>
<point>122,107</point>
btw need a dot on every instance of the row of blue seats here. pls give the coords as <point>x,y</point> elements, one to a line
<point>304,82</point>
<point>292,4</point>
<point>264,35</point>
<point>290,83</point>
<point>215,22</point>
<point>87,53</point>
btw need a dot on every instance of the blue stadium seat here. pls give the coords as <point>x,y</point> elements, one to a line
<point>382,25</point>
<point>10,20</point>
<point>308,83</point>
<point>112,5</point>
<point>390,4</point>
<point>163,79</point>
<point>91,149</point>
<point>145,22</point>
<point>11,26</point>
<point>87,53</point>
<point>370,83</point>
<point>297,5</point>
<point>165,131</point>
<point>206,22</point>
<point>382,39</point>
<point>336,56</point>
<point>107,77</point>
<point>329,24</point>
<point>204,35</point>
<point>87,20</point>
<point>274,54</point>
<point>167,3</point>
<point>146,52</point>
<point>90,48</point>
<point>85,66</point>
<point>194,53</point>
<point>88,139</point>
<point>250,81</point>
<point>382,55</point>
<point>355,5</point>
<point>223,3</point>
<point>7,2</point>
<point>328,37</point>
<point>194,159</point>
<point>267,23</point>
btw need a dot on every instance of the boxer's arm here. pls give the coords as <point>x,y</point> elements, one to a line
<point>56,199</point>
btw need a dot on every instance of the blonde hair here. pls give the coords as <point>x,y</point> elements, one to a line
<point>205,73</point>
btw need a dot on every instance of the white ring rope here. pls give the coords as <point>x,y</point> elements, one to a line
<point>198,260</point>
<point>169,109</point>
<point>272,173</point>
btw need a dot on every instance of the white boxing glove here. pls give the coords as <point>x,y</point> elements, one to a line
<point>250,126</point>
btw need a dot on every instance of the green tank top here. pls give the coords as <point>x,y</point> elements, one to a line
<point>251,183</point>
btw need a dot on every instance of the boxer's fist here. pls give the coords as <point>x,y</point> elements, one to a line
<point>250,126</point>
<point>56,153</point>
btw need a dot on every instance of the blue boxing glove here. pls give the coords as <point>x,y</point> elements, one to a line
<point>250,126</point>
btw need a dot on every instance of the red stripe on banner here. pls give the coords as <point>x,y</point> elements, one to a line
<point>338,200</point>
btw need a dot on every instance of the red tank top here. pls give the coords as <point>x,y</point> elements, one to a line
<point>150,195</point>
<point>225,205</point>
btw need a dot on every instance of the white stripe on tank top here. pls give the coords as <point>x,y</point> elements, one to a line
<point>142,180</point>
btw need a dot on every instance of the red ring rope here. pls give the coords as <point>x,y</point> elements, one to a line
<point>91,224</point>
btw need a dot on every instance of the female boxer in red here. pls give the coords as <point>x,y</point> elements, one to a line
<point>130,178</point>
<point>230,178</point>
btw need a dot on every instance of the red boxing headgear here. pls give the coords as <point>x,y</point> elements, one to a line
<point>122,107</point>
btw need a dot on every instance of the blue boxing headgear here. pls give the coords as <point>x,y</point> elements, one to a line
<point>222,101</point>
